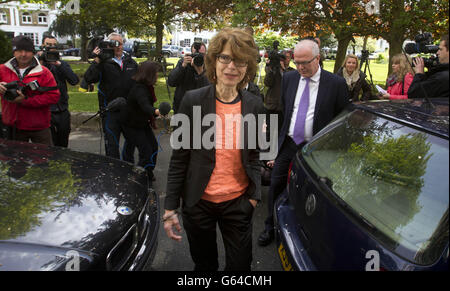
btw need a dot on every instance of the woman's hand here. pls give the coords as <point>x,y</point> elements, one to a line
<point>170,219</point>
<point>385,96</point>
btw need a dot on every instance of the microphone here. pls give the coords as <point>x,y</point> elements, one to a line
<point>164,108</point>
<point>116,104</point>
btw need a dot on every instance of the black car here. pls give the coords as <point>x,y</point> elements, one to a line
<point>370,191</point>
<point>68,210</point>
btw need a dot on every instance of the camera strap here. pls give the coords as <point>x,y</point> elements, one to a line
<point>46,89</point>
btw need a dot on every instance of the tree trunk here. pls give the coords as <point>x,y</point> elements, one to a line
<point>341,51</point>
<point>83,46</point>
<point>159,25</point>
<point>395,47</point>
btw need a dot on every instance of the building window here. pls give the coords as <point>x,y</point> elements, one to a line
<point>26,17</point>
<point>187,42</point>
<point>34,37</point>
<point>42,18</point>
<point>3,17</point>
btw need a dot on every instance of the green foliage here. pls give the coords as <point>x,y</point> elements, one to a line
<point>43,188</point>
<point>5,48</point>
<point>266,39</point>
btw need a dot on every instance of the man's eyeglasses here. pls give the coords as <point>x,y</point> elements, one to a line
<point>305,63</point>
<point>225,59</point>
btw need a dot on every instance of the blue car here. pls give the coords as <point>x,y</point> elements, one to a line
<point>370,191</point>
<point>72,52</point>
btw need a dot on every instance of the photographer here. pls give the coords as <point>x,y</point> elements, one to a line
<point>27,90</point>
<point>60,120</point>
<point>189,73</point>
<point>433,83</point>
<point>113,69</point>
<point>277,65</point>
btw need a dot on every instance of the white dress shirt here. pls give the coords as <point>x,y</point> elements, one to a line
<point>313,90</point>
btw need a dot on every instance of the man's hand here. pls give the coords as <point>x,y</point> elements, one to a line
<point>96,51</point>
<point>2,88</point>
<point>187,60</point>
<point>57,63</point>
<point>19,98</point>
<point>419,65</point>
<point>170,219</point>
<point>253,202</point>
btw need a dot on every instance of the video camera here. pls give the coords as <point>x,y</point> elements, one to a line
<point>275,56</point>
<point>50,54</point>
<point>106,48</point>
<point>197,57</point>
<point>13,87</point>
<point>423,44</point>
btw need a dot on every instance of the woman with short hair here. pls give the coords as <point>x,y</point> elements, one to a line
<point>219,185</point>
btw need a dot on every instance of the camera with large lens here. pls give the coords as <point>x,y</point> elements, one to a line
<point>423,44</point>
<point>198,58</point>
<point>13,87</point>
<point>106,48</point>
<point>275,56</point>
<point>50,54</point>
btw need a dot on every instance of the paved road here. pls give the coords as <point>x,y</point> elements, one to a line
<point>171,255</point>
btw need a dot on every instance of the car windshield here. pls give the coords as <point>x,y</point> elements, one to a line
<point>393,176</point>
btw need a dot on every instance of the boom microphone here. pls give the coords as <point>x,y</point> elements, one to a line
<point>116,104</point>
<point>164,108</point>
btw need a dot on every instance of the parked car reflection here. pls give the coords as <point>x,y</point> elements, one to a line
<point>375,181</point>
<point>57,204</point>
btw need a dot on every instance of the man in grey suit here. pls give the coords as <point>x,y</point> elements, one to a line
<point>311,98</point>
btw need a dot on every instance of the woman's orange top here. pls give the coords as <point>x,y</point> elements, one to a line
<point>229,179</point>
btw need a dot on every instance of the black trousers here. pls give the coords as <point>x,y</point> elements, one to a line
<point>145,141</point>
<point>279,176</point>
<point>234,218</point>
<point>280,121</point>
<point>60,127</point>
<point>112,128</point>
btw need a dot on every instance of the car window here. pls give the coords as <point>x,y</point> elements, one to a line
<point>394,176</point>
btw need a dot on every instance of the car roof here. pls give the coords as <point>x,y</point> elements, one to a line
<point>429,115</point>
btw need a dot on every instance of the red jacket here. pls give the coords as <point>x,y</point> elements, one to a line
<point>33,113</point>
<point>396,90</point>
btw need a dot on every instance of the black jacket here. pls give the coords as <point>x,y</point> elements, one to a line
<point>332,98</point>
<point>62,73</point>
<point>185,79</point>
<point>273,82</point>
<point>190,169</point>
<point>114,81</point>
<point>139,107</point>
<point>433,83</point>
<point>361,84</point>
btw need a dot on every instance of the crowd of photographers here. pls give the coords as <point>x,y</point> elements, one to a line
<point>35,84</point>
<point>35,107</point>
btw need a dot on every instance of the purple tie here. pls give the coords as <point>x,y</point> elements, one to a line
<point>299,128</point>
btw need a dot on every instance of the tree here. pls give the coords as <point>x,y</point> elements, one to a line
<point>399,20</point>
<point>95,18</point>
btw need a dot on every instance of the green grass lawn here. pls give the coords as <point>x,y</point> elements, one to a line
<point>88,102</point>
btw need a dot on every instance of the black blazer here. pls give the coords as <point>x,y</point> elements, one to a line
<point>190,169</point>
<point>139,107</point>
<point>332,98</point>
